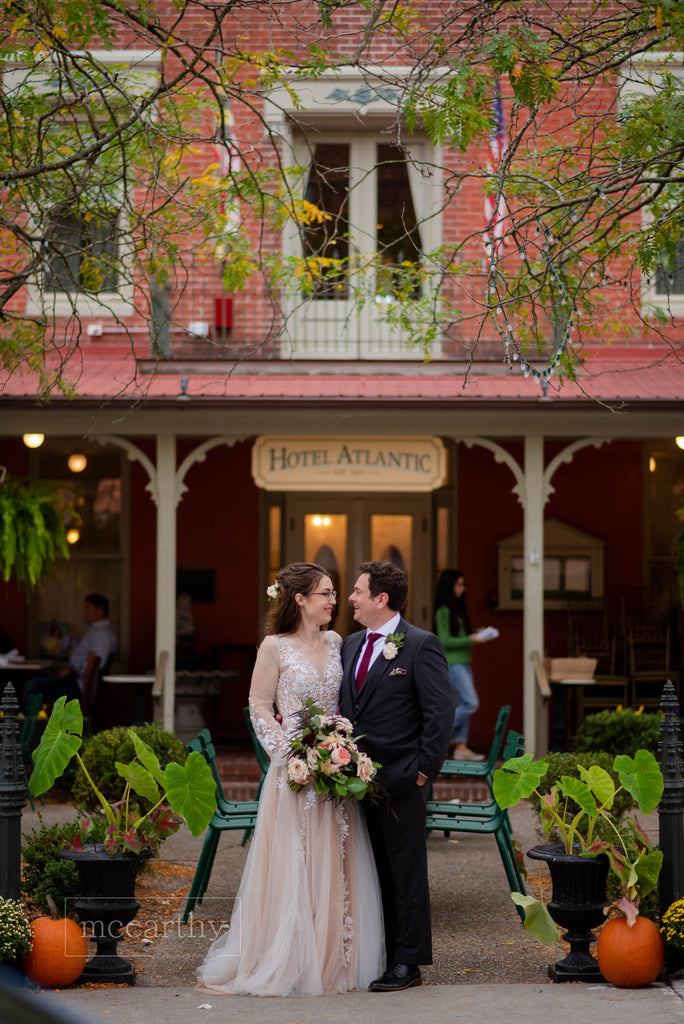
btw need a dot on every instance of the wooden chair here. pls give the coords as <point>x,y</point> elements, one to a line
<point>650,665</point>
<point>592,635</point>
<point>483,819</point>
<point>228,816</point>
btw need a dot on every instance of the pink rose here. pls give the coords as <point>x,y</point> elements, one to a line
<point>340,755</point>
<point>298,771</point>
<point>365,769</point>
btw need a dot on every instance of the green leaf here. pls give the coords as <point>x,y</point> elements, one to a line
<point>580,793</point>
<point>147,757</point>
<point>642,778</point>
<point>538,921</point>
<point>648,868</point>
<point>191,791</point>
<point>517,779</point>
<point>60,741</point>
<point>141,781</point>
<point>600,783</point>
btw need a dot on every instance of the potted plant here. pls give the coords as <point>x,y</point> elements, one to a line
<point>579,863</point>
<point>107,870</point>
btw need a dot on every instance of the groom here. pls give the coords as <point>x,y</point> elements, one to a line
<point>396,691</point>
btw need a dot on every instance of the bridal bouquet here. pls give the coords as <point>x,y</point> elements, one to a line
<point>325,754</point>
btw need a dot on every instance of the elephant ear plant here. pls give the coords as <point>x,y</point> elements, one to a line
<point>573,809</point>
<point>177,791</point>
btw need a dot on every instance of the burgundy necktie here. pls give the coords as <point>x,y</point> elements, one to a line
<point>362,670</point>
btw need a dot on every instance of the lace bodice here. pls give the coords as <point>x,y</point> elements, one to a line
<point>284,677</point>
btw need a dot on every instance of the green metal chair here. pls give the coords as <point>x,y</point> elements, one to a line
<point>482,769</point>
<point>483,819</point>
<point>228,816</point>
<point>26,738</point>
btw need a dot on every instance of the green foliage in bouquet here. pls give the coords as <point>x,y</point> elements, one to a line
<point>324,754</point>
<point>623,731</point>
<point>15,932</point>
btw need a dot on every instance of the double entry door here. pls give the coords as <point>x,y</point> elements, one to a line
<point>342,531</point>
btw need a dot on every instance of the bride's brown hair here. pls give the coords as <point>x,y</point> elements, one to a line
<point>293,579</point>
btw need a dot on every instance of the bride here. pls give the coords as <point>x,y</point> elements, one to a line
<point>308,916</point>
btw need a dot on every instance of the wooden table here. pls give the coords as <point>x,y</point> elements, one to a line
<point>19,672</point>
<point>139,682</point>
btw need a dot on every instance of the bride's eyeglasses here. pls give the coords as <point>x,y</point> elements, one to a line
<point>330,594</point>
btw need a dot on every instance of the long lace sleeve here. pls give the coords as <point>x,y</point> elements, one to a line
<point>262,691</point>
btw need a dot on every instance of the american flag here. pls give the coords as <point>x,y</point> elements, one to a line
<point>495,207</point>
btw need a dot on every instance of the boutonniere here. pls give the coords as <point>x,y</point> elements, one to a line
<point>393,641</point>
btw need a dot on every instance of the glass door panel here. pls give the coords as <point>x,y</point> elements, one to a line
<point>325,542</point>
<point>392,541</point>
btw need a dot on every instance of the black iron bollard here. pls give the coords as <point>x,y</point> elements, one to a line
<point>12,796</point>
<point>671,808</point>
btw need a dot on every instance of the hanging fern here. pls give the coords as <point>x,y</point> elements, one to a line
<point>32,531</point>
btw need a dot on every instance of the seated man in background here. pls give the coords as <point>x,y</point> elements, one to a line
<point>98,639</point>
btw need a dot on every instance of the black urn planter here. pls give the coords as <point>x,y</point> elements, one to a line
<point>577,902</point>
<point>106,902</point>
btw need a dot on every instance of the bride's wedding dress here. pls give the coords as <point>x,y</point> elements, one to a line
<point>308,916</point>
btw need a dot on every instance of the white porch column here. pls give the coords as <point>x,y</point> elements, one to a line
<point>533,610</point>
<point>166,570</point>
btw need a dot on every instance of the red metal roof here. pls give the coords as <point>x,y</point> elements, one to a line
<point>604,379</point>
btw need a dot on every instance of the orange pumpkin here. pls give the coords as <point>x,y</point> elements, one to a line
<point>630,957</point>
<point>58,953</point>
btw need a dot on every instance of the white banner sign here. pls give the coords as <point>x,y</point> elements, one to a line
<point>349,463</point>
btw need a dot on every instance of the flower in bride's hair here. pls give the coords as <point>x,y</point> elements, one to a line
<point>273,591</point>
<point>298,771</point>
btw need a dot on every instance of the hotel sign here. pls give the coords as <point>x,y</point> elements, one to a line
<point>349,463</point>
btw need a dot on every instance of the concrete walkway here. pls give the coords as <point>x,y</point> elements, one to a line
<point>487,967</point>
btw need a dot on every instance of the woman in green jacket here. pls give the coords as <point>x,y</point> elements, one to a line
<point>452,626</point>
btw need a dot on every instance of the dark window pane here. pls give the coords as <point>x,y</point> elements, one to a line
<point>82,254</point>
<point>326,243</point>
<point>398,233</point>
<point>669,280</point>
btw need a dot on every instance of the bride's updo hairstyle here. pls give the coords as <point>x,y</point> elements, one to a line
<point>297,578</point>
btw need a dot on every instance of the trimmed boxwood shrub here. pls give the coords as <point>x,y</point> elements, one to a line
<point>101,752</point>
<point>620,732</point>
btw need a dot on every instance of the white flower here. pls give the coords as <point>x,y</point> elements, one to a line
<point>365,769</point>
<point>272,591</point>
<point>390,650</point>
<point>344,725</point>
<point>298,771</point>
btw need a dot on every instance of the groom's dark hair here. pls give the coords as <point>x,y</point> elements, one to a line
<point>387,578</point>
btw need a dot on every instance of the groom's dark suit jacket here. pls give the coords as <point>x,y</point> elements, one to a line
<point>404,709</point>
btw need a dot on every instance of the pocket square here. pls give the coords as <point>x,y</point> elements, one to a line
<point>398,671</point>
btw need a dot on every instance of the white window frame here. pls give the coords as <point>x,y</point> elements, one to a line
<point>342,107</point>
<point>144,66</point>
<point>635,79</point>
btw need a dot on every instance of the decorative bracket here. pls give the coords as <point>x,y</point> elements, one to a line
<point>567,455</point>
<point>501,455</point>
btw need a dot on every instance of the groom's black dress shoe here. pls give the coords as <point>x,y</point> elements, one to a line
<point>396,978</point>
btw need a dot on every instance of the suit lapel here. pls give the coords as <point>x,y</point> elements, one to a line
<point>354,644</point>
<point>379,669</point>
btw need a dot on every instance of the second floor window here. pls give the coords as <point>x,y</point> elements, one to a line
<point>366,222</point>
<point>82,254</point>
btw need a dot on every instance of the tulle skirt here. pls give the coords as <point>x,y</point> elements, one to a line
<point>308,917</point>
